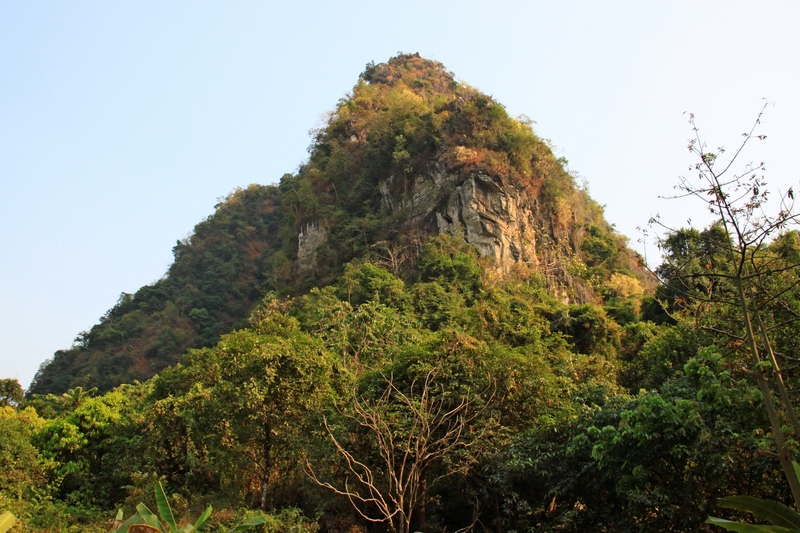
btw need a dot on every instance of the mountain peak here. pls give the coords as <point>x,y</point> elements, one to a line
<point>411,70</point>
<point>410,154</point>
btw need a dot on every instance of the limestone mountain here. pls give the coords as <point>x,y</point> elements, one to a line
<point>410,153</point>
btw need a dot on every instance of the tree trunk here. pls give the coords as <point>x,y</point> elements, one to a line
<point>266,497</point>
<point>423,518</point>
<point>784,455</point>
<point>402,523</point>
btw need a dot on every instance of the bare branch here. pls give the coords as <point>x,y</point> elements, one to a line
<point>751,272</point>
<point>412,430</point>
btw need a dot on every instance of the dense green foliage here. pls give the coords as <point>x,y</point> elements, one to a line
<point>574,422</point>
<point>405,121</point>
<point>404,384</point>
<point>217,276</point>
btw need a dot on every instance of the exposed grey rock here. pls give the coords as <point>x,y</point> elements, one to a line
<point>510,226</point>
<point>311,236</point>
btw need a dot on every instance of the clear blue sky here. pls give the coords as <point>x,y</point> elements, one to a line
<point>122,123</point>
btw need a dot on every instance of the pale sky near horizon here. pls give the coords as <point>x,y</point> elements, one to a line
<point>122,123</point>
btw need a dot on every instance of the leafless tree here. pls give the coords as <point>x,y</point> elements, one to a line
<point>412,431</point>
<point>392,256</point>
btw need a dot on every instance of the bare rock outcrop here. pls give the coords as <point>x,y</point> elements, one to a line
<point>513,227</point>
<point>311,236</point>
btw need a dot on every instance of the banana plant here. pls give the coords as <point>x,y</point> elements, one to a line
<point>165,524</point>
<point>146,521</point>
<point>782,518</point>
<point>6,521</point>
<point>166,515</point>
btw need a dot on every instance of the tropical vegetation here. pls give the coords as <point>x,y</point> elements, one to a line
<point>405,384</point>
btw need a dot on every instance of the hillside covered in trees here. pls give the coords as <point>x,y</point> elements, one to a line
<point>409,154</point>
<point>429,327</point>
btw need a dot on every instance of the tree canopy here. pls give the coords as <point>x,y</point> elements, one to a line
<point>404,384</point>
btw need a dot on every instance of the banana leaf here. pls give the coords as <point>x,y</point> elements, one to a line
<point>132,520</point>
<point>748,528</point>
<point>164,508</point>
<point>773,512</point>
<point>6,521</point>
<point>118,520</point>
<point>247,525</point>
<point>149,517</point>
<point>200,524</point>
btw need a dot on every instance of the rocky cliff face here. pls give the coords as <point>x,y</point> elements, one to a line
<point>513,227</point>
<point>309,239</point>
<point>494,216</point>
